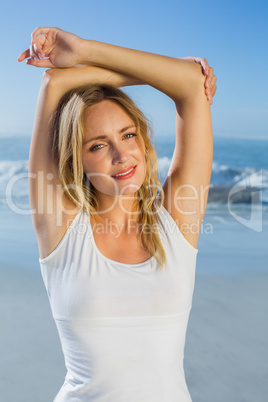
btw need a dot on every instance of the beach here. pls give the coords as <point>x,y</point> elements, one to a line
<point>226,345</point>
<point>226,350</point>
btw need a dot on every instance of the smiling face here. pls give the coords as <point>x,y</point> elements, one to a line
<point>113,157</point>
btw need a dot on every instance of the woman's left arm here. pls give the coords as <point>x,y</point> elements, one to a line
<point>187,184</point>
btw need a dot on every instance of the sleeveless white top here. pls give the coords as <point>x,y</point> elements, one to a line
<point>122,326</point>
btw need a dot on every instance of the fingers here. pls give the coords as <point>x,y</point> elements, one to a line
<point>209,77</point>
<point>45,63</point>
<point>37,47</point>
<point>210,85</point>
<point>41,31</point>
<point>29,54</point>
<point>24,55</point>
<point>214,90</point>
<point>33,54</point>
<point>213,86</point>
<point>204,64</point>
<point>35,51</point>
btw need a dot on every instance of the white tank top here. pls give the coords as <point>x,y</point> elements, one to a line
<point>122,326</point>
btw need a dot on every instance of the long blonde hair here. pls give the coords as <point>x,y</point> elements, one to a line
<point>68,135</point>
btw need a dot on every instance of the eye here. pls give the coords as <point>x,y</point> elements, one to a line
<point>96,147</point>
<point>130,135</point>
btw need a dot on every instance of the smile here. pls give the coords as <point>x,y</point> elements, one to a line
<point>126,174</point>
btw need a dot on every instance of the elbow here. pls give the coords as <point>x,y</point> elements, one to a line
<point>198,78</point>
<point>197,91</point>
<point>191,84</point>
<point>50,78</point>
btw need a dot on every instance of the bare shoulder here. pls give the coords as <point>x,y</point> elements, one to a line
<point>53,229</point>
<point>185,216</point>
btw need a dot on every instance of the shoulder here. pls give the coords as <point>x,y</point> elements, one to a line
<point>53,230</point>
<point>184,232</point>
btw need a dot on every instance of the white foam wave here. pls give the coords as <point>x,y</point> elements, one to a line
<point>163,167</point>
<point>8,171</point>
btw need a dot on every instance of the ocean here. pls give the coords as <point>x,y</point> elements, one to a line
<point>236,162</point>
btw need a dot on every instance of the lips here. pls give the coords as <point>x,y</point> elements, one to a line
<point>125,173</point>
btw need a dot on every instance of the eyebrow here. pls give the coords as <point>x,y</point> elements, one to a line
<point>103,137</point>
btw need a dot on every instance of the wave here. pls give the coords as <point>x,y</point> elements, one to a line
<point>224,179</point>
<point>14,182</point>
<point>237,185</point>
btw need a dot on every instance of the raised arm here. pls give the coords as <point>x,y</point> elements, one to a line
<point>187,184</point>
<point>50,207</point>
<point>171,76</point>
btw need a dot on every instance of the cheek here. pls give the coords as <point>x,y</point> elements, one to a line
<point>91,164</point>
<point>103,183</point>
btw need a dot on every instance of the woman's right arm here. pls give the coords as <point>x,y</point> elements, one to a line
<point>51,210</point>
<point>50,207</point>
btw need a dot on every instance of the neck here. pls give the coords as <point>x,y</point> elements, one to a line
<point>118,210</point>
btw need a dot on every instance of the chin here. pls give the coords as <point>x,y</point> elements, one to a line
<point>130,189</point>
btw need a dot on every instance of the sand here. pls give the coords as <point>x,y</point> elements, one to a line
<point>226,349</point>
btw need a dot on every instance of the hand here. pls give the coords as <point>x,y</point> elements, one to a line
<point>60,47</point>
<point>211,79</point>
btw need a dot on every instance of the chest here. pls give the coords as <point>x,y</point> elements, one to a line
<point>82,284</point>
<point>123,248</point>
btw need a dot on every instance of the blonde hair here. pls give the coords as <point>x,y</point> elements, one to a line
<point>68,135</point>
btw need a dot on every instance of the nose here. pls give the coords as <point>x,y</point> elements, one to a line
<point>119,155</point>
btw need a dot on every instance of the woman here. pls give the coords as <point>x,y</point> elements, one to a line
<point>117,251</point>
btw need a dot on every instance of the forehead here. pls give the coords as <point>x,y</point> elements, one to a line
<point>105,117</point>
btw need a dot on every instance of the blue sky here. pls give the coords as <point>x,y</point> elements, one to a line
<point>232,35</point>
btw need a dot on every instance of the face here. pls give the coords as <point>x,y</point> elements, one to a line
<point>113,158</point>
